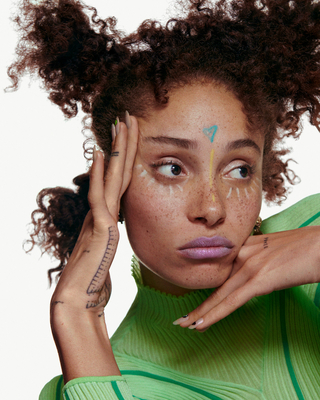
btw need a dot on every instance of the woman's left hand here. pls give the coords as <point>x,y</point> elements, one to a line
<point>264,264</point>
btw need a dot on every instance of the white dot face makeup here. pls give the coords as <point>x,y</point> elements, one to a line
<point>195,192</point>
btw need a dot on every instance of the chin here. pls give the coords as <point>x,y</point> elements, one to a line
<point>208,278</point>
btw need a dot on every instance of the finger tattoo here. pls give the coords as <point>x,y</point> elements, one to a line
<point>114,154</point>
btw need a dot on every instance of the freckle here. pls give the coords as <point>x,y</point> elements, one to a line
<point>229,194</point>
<point>143,173</point>
<point>150,182</point>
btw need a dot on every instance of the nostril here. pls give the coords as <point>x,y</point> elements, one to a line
<point>201,219</point>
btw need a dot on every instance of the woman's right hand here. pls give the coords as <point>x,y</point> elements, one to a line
<point>77,306</point>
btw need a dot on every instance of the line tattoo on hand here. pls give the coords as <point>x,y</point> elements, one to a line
<point>114,154</point>
<point>265,242</point>
<point>100,283</point>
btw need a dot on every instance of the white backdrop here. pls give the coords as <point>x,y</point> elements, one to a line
<point>41,149</point>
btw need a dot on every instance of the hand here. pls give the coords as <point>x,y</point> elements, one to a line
<point>264,264</point>
<point>84,286</point>
<point>85,283</point>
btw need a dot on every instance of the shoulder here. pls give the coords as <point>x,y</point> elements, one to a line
<point>304,213</point>
<point>53,389</point>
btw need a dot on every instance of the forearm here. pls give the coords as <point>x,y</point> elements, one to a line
<point>83,345</point>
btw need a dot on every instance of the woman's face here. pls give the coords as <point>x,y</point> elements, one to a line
<point>196,189</point>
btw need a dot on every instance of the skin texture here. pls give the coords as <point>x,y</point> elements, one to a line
<point>170,195</point>
<point>207,197</point>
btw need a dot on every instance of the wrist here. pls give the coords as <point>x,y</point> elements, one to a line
<point>83,344</point>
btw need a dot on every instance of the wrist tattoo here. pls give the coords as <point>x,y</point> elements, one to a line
<point>54,303</point>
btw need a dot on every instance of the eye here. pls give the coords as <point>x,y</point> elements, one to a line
<point>170,169</point>
<point>241,172</point>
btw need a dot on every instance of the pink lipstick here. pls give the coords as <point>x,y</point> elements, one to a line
<point>205,247</point>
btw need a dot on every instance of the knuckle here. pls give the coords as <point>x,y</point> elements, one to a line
<point>231,301</point>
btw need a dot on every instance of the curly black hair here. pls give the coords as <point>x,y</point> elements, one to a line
<point>265,52</point>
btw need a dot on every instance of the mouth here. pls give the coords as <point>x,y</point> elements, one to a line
<point>204,247</point>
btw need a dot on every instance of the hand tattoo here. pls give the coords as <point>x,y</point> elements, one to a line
<point>265,242</point>
<point>99,283</point>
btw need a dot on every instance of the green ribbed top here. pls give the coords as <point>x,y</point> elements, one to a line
<point>268,349</point>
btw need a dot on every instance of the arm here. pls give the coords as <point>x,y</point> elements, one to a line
<point>265,263</point>
<point>77,307</point>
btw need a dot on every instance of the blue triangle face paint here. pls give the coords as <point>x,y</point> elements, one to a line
<point>210,132</point>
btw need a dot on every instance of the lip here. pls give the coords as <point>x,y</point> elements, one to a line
<point>206,247</point>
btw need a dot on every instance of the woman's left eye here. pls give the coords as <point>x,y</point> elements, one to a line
<point>241,172</point>
<point>170,170</point>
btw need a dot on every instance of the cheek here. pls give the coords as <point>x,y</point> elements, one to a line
<point>149,209</point>
<point>244,208</point>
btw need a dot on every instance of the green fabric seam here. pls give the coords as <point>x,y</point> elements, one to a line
<point>117,390</point>
<point>306,223</point>
<point>59,388</point>
<point>168,380</point>
<point>66,396</point>
<point>311,219</point>
<point>317,296</point>
<point>285,344</point>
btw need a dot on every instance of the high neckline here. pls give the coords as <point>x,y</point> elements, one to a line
<point>165,307</point>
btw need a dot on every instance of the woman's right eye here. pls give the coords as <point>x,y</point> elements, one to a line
<point>172,169</point>
<point>168,169</point>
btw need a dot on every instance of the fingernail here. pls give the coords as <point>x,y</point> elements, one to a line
<point>180,320</point>
<point>196,323</point>
<point>113,132</point>
<point>117,126</point>
<point>127,119</point>
<point>94,153</point>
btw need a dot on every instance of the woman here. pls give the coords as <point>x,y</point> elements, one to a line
<point>202,103</point>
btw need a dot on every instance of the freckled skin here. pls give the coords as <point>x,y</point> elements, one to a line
<point>160,220</point>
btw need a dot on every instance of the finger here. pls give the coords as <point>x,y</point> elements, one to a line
<point>115,171</point>
<point>230,304</point>
<point>216,298</point>
<point>96,191</point>
<point>226,307</point>
<point>133,132</point>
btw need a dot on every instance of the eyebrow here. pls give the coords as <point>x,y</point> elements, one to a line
<point>240,143</point>
<point>182,143</point>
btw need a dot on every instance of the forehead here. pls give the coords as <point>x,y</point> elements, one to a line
<point>194,107</point>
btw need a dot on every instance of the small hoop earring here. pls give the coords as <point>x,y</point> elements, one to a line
<point>120,217</point>
<point>256,228</point>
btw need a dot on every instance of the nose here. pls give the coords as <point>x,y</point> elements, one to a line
<point>206,205</point>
